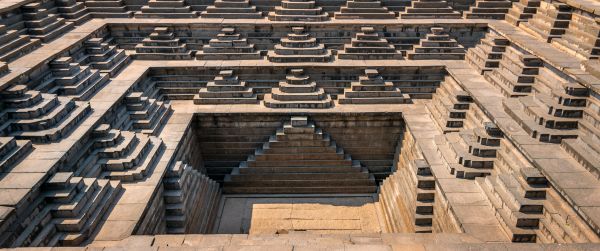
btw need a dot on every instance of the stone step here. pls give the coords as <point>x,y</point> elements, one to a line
<point>12,151</point>
<point>299,190</point>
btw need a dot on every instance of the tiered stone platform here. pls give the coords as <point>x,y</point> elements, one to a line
<point>437,45</point>
<point>522,11</point>
<point>550,21</point>
<point>516,72</point>
<point>108,8</point>
<point>581,37</point>
<point>369,45</point>
<point>166,9</point>
<point>106,58</point>
<point>492,9</point>
<point>449,106</point>
<point>228,45</point>
<point>43,25</point>
<point>73,80</point>
<point>162,44</point>
<point>73,11</point>
<point>371,88</point>
<point>487,54</point>
<point>226,88</point>
<point>15,45</point>
<point>298,10</point>
<point>297,47</point>
<point>12,151</point>
<point>429,9</point>
<point>231,9</point>
<point>298,91</point>
<point>143,114</point>
<point>300,158</point>
<point>364,9</point>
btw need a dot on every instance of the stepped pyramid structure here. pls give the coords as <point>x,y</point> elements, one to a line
<point>162,44</point>
<point>37,116</point>
<point>106,58</point>
<point>166,8</point>
<point>185,187</point>
<point>522,10</point>
<point>119,155</point>
<point>516,72</point>
<point>73,11</point>
<point>231,9</point>
<point>487,54</point>
<point>449,106</point>
<point>12,151</point>
<point>364,9</point>
<point>581,38</point>
<point>298,91</point>
<point>226,88</point>
<point>43,25</point>
<point>143,114</point>
<point>108,8</point>
<point>14,45</point>
<point>491,9</point>
<point>550,21</point>
<point>298,10</point>
<point>73,80</point>
<point>299,46</point>
<point>429,9</point>
<point>437,45</point>
<point>373,89</point>
<point>228,45</point>
<point>369,45</point>
<point>300,158</point>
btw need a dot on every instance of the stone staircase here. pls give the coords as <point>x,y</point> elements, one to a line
<point>298,10</point>
<point>581,38</point>
<point>73,11</point>
<point>297,47</point>
<point>186,188</point>
<point>550,21</point>
<point>429,9</point>
<point>364,9</point>
<point>226,88</point>
<point>106,58</point>
<point>470,153</point>
<point>410,189</point>
<point>487,54</point>
<point>39,117</point>
<point>586,150</point>
<point>119,155</point>
<point>522,11</point>
<point>108,9</point>
<point>228,45</point>
<point>298,91</point>
<point>437,45</point>
<point>14,45</point>
<point>516,73</point>
<point>72,210</point>
<point>518,199</point>
<point>300,158</point>
<point>373,89</point>
<point>449,106</point>
<point>231,9</point>
<point>166,9</point>
<point>12,151</point>
<point>369,45</point>
<point>73,80</point>
<point>43,25</point>
<point>143,114</point>
<point>162,44</point>
<point>488,9</point>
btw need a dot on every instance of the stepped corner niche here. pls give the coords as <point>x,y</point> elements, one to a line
<point>299,125</point>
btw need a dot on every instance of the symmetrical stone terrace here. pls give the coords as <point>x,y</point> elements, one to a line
<point>299,46</point>
<point>71,79</point>
<point>14,44</point>
<point>101,55</point>
<point>298,10</point>
<point>487,54</point>
<point>437,45</point>
<point>226,88</point>
<point>429,9</point>
<point>521,11</point>
<point>298,91</point>
<point>231,9</point>
<point>515,75</point>
<point>162,44</point>
<point>582,37</point>
<point>108,8</point>
<point>492,9</point>
<point>364,9</point>
<point>371,88</point>
<point>449,106</point>
<point>43,25</point>
<point>166,9</point>
<point>550,21</point>
<point>228,45</point>
<point>74,11</point>
<point>369,45</point>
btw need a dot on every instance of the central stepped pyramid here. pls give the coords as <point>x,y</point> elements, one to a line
<point>298,10</point>
<point>231,9</point>
<point>226,88</point>
<point>106,58</point>
<point>364,9</point>
<point>369,45</point>
<point>434,9</point>
<point>298,91</point>
<point>228,45</point>
<point>299,46</point>
<point>166,9</point>
<point>300,158</point>
<point>488,9</point>
<point>108,9</point>
<point>437,45</point>
<point>373,89</point>
<point>162,45</point>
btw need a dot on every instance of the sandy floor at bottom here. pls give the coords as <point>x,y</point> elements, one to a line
<point>270,215</point>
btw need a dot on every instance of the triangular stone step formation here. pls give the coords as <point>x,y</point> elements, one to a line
<point>364,9</point>
<point>166,9</point>
<point>14,45</point>
<point>550,21</point>
<point>300,158</point>
<point>488,9</point>
<point>73,80</point>
<point>74,11</point>
<point>581,38</point>
<point>449,106</point>
<point>373,89</point>
<point>516,73</point>
<point>299,46</point>
<point>12,151</point>
<point>298,91</point>
<point>298,10</point>
<point>100,55</point>
<point>369,45</point>
<point>226,88</point>
<point>119,155</point>
<point>41,118</point>
<point>437,45</point>
<point>228,45</point>
<point>187,188</point>
<point>42,24</point>
<point>429,9</point>
<point>108,8</point>
<point>521,11</point>
<point>162,44</point>
<point>231,9</point>
<point>488,53</point>
<point>144,114</point>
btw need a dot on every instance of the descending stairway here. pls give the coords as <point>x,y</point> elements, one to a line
<point>449,106</point>
<point>108,9</point>
<point>488,53</point>
<point>12,151</point>
<point>166,9</point>
<point>550,21</point>
<point>516,72</point>
<point>14,45</point>
<point>73,11</point>
<point>488,9</point>
<point>300,158</point>
<point>43,25</point>
<point>226,88</point>
<point>522,11</point>
<point>143,114</point>
<point>100,55</point>
<point>434,9</point>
